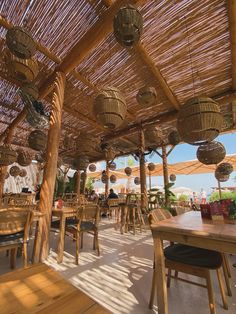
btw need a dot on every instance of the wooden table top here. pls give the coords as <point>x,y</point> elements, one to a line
<point>39,289</point>
<point>191,223</point>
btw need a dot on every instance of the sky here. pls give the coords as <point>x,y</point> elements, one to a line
<point>185,152</point>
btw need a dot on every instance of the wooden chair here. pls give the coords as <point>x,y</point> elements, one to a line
<point>14,232</point>
<point>190,260</point>
<point>86,221</point>
<point>113,205</point>
<point>134,215</point>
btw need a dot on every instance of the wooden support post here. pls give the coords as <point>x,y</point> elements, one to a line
<point>165,172</point>
<point>77,186</point>
<point>150,180</point>
<point>142,169</point>
<point>50,170</point>
<point>107,182</point>
<point>219,187</point>
<point>84,179</point>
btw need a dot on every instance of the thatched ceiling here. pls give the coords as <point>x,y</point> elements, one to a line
<point>185,51</point>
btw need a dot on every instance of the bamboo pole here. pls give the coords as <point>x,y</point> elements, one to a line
<point>142,169</point>
<point>107,181</point>
<point>50,170</point>
<point>165,172</point>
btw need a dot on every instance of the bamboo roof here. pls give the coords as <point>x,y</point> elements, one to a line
<point>186,49</point>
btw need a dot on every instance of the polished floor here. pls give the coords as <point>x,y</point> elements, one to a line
<point>120,278</point>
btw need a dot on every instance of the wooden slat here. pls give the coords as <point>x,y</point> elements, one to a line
<point>231,4</point>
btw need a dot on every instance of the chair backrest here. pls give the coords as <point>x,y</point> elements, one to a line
<point>131,198</point>
<point>90,212</point>
<point>82,200</point>
<point>19,201</point>
<point>13,221</point>
<point>113,202</point>
<point>157,215</point>
<point>70,196</point>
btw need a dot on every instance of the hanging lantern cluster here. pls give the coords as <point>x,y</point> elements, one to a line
<point>211,153</point>
<point>37,140</point>
<point>225,168</point>
<point>221,177</point>
<point>14,171</point>
<point>128,26</point>
<point>153,136</point>
<point>199,121</point>
<point>172,177</point>
<point>24,158</point>
<point>147,96</point>
<point>23,173</point>
<point>85,143</point>
<point>112,166</point>
<point>92,167</point>
<point>174,138</point>
<point>137,180</point>
<point>151,166</point>
<point>113,178</point>
<point>110,108</point>
<point>128,171</point>
<point>7,155</point>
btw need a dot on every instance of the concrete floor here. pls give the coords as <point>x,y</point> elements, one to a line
<point>120,279</point>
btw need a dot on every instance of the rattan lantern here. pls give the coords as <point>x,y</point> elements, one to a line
<point>221,177</point>
<point>81,163</point>
<point>172,177</point>
<point>151,166</point>
<point>153,136</point>
<point>40,157</point>
<point>24,70</point>
<point>83,175</point>
<point>24,158</point>
<point>199,121</point>
<point>137,180</point>
<point>37,140</point>
<point>110,108</point>
<point>92,167</point>
<point>112,166</point>
<point>113,178</point>
<point>85,143</point>
<point>128,26</point>
<point>14,171</point>
<point>110,153</point>
<point>225,168</point>
<point>147,96</point>
<point>174,138</point>
<point>7,155</point>
<point>211,153</point>
<point>23,173</point>
<point>128,171</point>
<point>31,90</point>
<point>20,42</point>
<point>104,178</point>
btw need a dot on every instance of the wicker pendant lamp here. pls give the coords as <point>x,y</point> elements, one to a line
<point>37,140</point>
<point>23,173</point>
<point>14,171</point>
<point>199,121</point>
<point>172,177</point>
<point>221,177</point>
<point>24,158</point>
<point>112,166</point>
<point>151,166</point>
<point>113,178</point>
<point>153,136</point>
<point>225,168</point>
<point>174,138</point>
<point>147,96</point>
<point>110,153</point>
<point>7,155</point>
<point>92,167</point>
<point>85,143</point>
<point>137,180</point>
<point>211,153</point>
<point>104,178</point>
<point>128,171</point>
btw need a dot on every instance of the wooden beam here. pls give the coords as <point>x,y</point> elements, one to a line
<point>147,60</point>
<point>142,173</point>
<point>231,6</point>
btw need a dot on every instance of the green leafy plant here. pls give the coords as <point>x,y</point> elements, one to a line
<point>225,195</point>
<point>183,198</point>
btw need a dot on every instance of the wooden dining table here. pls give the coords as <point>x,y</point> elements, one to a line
<point>40,289</point>
<point>190,229</point>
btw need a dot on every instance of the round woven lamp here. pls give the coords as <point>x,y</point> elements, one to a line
<point>153,136</point>
<point>128,26</point>
<point>147,96</point>
<point>23,173</point>
<point>128,171</point>
<point>24,158</point>
<point>85,143</point>
<point>225,168</point>
<point>151,166</point>
<point>7,155</point>
<point>14,171</point>
<point>104,178</point>
<point>137,180</point>
<point>113,178</point>
<point>110,108</point>
<point>211,153</point>
<point>199,121</point>
<point>221,177</point>
<point>37,140</point>
<point>92,167</point>
<point>174,138</point>
<point>172,177</point>
<point>20,42</point>
<point>110,153</point>
<point>112,166</point>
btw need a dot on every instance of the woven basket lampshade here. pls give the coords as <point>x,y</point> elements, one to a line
<point>31,90</point>
<point>146,96</point>
<point>225,168</point>
<point>112,166</point>
<point>199,121</point>
<point>211,153</point>
<point>128,171</point>
<point>23,173</point>
<point>151,166</point>
<point>37,140</point>
<point>104,178</point>
<point>24,158</point>
<point>153,136</point>
<point>110,108</point>
<point>174,138</point>
<point>14,171</point>
<point>20,42</point>
<point>85,143</point>
<point>172,177</point>
<point>110,153</point>
<point>221,177</point>
<point>81,163</point>
<point>83,175</point>
<point>92,167</point>
<point>137,180</point>
<point>24,70</point>
<point>127,26</point>
<point>7,155</point>
<point>113,178</point>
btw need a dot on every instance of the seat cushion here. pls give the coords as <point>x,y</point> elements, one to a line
<point>9,239</point>
<point>84,226</point>
<point>193,256</point>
